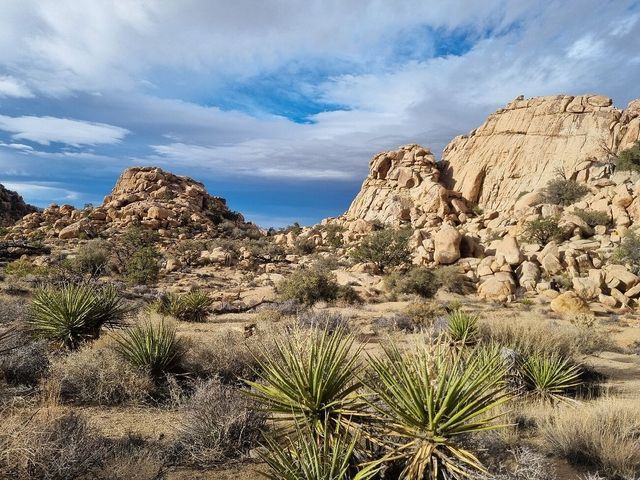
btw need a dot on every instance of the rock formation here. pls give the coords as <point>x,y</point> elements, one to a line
<point>403,187</point>
<point>172,205</point>
<point>12,207</point>
<point>521,147</point>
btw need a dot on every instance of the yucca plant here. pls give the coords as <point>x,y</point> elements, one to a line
<point>151,346</point>
<point>190,307</point>
<point>462,327</point>
<point>550,377</point>
<point>427,399</point>
<point>311,378</point>
<point>73,313</point>
<point>305,456</point>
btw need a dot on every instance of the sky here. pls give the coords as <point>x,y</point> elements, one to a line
<point>278,105</point>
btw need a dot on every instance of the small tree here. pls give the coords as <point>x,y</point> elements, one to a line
<point>143,267</point>
<point>309,287</point>
<point>564,192</point>
<point>542,230</point>
<point>629,159</point>
<point>385,248</point>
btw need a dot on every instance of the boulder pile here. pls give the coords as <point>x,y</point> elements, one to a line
<point>12,207</point>
<point>172,205</point>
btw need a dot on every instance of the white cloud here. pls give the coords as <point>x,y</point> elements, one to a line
<point>10,87</point>
<point>44,130</point>
<point>39,193</point>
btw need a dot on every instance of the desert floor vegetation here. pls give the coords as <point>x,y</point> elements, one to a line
<point>98,384</point>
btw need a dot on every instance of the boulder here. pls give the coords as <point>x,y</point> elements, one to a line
<point>509,249</point>
<point>497,288</point>
<point>569,303</point>
<point>447,245</point>
<point>528,275</point>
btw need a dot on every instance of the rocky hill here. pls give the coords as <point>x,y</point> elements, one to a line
<point>172,205</point>
<point>521,147</point>
<point>12,207</point>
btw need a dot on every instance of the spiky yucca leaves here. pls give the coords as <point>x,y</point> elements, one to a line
<point>426,399</point>
<point>311,378</point>
<point>550,377</point>
<point>151,346</point>
<point>462,327</point>
<point>193,306</point>
<point>73,313</point>
<point>306,456</point>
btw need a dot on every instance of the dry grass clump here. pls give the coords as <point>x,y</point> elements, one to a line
<point>324,320</point>
<point>529,337</point>
<point>603,434</point>
<point>526,464</point>
<point>22,361</point>
<point>227,355</point>
<point>97,375</point>
<point>219,423</point>
<point>51,445</point>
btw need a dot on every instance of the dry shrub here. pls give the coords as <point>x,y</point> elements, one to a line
<point>97,375</point>
<point>131,459</point>
<point>219,423</point>
<point>25,362</point>
<point>527,337</point>
<point>51,445</point>
<point>526,464</point>
<point>424,315</point>
<point>13,310</point>
<point>322,319</point>
<point>227,355</point>
<point>603,434</point>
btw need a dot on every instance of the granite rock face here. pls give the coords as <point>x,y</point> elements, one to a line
<point>519,148</point>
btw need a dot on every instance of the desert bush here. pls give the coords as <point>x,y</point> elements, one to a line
<point>311,379</point>
<point>91,258</point>
<point>154,347</point>
<point>218,423</point>
<point>628,252</point>
<point>228,355</point>
<point>603,434</point>
<point>308,287</point>
<point>74,313</point>
<point>13,310</point>
<point>304,246</point>
<point>334,237</point>
<point>419,281</point>
<point>22,268</point>
<point>97,375</point>
<point>451,279</point>
<point>323,320</point>
<point>423,315</point>
<point>527,464</point>
<point>629,159</point>
<point>385,248</point>
<point>193,306</point>
<point>394,322</point>
<point>428,400</point>
<point>23,362</point>
<point>550,377</point>
<point>143,267</point>
<point>347,294</point>
<point>561,191</point>
<point>593,217</point>
<point>542,230</point>
<point>462,327</point>
<point>51,445</point>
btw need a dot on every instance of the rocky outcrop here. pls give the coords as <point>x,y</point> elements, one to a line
<point>519,148</point>
<point>403,188</point>
<point>172,205</point>
<point>12,207</point>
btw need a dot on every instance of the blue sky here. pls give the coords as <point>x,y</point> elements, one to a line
<point>279,105</point>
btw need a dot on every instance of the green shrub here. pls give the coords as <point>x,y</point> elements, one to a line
<point>72,314</point>
<point>419,281</point>
<point>593,217</point>
<point>334,236</point>
<point>304,246</point>
<point>143,267</point>
<point>542,230</point>
<point>152,347</point>
<point>91,258</point>
<point>628,252</point>
<point>22,267</point>
<point>193,306</point>
<point>423,314</point>
<point>629,159</point>
<point>385,248</point>
<point>564,192</point>
<point>451,279</point>
<point>308,287</point>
